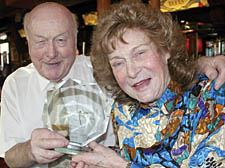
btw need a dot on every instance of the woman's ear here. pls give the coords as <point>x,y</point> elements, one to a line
<point>166,56</point>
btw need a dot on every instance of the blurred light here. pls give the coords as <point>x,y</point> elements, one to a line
<point>90,18</point>
<point>213,34</point>
<point>22,33</point>
<point>188,31</point>
<point>187,27</point>
<point>3,36</point>
<point>201,23</point>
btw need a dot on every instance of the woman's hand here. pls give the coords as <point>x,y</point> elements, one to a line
<point>100,156</point>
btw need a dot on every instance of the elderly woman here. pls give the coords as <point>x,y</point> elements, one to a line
<point>164,115</point>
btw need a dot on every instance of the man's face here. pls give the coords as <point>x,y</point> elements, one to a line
<point>52,45</point>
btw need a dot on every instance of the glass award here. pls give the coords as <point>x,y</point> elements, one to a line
<point>80,112</point>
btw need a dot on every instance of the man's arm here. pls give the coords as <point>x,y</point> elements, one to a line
<point>36,150</point>
<point>213,67</point>
<point>18,151</point>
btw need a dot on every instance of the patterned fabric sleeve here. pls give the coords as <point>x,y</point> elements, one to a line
<point>208,140</point>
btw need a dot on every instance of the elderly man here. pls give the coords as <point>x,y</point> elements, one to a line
<point>51,31</point>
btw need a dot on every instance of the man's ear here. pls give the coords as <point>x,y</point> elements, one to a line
<point>75,43</point>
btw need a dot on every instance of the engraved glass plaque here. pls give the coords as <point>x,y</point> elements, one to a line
<point>78,111</point>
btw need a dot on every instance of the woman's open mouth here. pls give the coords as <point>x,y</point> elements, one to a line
<point>142,84</point>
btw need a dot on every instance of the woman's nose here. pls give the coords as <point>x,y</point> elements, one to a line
<point>132,69</point>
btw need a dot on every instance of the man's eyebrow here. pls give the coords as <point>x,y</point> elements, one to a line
<point>64,33</point>
<point>41,36</point>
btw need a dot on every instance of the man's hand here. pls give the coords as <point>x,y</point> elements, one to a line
<point>42,140</point>
<point>36,150</point>
<point>213,67</point>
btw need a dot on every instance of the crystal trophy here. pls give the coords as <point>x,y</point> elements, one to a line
<point>80,112</point>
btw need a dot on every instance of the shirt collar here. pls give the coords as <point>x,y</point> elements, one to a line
<point>43,82</point>
<point>170,93</point>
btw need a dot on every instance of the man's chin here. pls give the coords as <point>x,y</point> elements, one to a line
<point>54,76</point>
<point>54,79</point>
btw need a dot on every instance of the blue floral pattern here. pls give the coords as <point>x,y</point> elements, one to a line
<point>179,130</point>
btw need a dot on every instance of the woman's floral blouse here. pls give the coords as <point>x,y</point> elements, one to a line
<point>179,130</point>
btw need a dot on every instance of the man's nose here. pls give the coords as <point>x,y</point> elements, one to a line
<point>52,50</point>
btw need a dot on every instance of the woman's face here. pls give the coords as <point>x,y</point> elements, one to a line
<point>140,70</point>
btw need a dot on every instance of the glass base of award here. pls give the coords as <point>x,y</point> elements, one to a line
<point>72,150</point>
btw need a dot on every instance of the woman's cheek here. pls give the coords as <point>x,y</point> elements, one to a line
<point>121,79</point>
